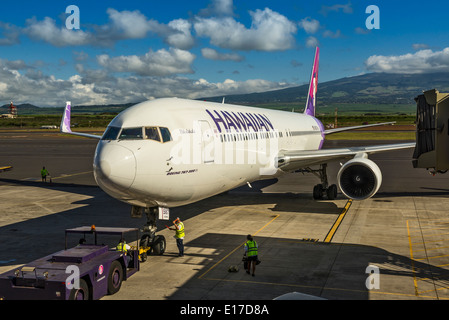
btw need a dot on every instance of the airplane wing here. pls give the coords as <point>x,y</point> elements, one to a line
<point>296,159</point>
<point>65,124</point>
<point>331,131</point>
<point>6,168</point>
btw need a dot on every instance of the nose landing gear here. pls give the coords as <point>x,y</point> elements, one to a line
<point>149,241</point>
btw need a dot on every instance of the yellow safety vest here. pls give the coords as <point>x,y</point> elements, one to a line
<point>122,247</point>
<point>252,248</point>
<point>180,232</point>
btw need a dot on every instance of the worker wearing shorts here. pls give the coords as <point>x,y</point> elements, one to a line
<point>251,251</point>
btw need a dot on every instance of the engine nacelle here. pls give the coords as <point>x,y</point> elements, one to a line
<point>359,178</point>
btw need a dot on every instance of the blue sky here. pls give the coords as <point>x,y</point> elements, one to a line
<point>130,51</point>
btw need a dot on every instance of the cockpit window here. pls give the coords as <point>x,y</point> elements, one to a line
<point>160,134</point>
<point>131,134</point>
<point>166,136</point>
<point>111,133</point>
<point>152,133</point>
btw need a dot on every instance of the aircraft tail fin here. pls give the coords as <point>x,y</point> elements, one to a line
<point>65,121</point>
<point>313,86</point>
<point>65,124</point>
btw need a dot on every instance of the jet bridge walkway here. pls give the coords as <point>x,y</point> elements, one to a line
<point>432,132</point>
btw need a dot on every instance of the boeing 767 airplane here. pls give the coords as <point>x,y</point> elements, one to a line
<point>170,152</point>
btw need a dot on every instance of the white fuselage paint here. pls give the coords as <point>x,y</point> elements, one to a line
<point>205,156</point>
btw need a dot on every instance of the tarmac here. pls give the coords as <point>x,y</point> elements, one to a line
<point>394,246</point>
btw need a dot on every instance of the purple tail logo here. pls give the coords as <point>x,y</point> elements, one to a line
<point>313,86</point>
<point>65,122</point>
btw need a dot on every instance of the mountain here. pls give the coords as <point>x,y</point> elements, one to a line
<point>366,91</point>
<point>29,109</point>
<point>372,88</point>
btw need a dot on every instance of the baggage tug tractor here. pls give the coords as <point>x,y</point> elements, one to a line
<point>88,271</point>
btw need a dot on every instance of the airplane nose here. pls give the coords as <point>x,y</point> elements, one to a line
<point>114,167</point>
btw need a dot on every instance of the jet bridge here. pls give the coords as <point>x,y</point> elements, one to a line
<point>432,132</point>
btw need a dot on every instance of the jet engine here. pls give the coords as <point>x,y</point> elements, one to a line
<point>359,178</point>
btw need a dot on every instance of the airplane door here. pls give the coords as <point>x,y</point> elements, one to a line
<point>207,142</point>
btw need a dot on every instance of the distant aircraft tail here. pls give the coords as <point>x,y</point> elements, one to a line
<point>313,86</point>
<point>65,124</point>
<point>65,121</point>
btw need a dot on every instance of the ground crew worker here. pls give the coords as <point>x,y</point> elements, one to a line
<point>251,251</point>
<point>122,246</point>
<point>179,235</point>
<point>44,174</point>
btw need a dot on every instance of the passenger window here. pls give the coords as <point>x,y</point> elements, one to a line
<point>166,136</point>
<point>131,134</point>
<point>152,133</point>
<point>111,133</point>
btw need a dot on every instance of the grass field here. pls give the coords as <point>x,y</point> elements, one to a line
<point>373,135</point>
<point>92,121</point>
<point>348,115</point>
<point>347,109</point>
<point>36,121</point>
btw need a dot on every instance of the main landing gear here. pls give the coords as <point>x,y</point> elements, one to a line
<point>154,243</point>
<point>323,188</point>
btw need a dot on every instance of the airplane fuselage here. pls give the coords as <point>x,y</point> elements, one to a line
<point>172,152</point>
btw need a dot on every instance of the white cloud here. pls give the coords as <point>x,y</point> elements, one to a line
<point>134,25</point>
<point>31,87</point>
<point>423,61</point>
<point>133,78</point>
<point>3,88</point>
<point>203,88</point>
<point>47,31</point>
<point>219,8</point>
<point>312,42</point>
<point>15,64</point>
<point>331,34</point>
<point>159,63</point>
<point>179,35</point>
<point>269,31</point>
<point>310,26</point>
<point>122,25</point>
<point>11,34</point>
<point>213,54</point>
<point>420,46</point>
<point>128,24</point>
<point>345,8</point>
<point>100,87</point>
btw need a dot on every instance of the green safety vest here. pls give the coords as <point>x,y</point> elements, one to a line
<point>180,232</point>
<point>252,248</point>
<point>44,172</point>
<point>122,247</point>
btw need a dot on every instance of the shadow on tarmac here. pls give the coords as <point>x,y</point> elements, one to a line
<point>41,236</point>
<point>326,270</point>
<point>331,271</point>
